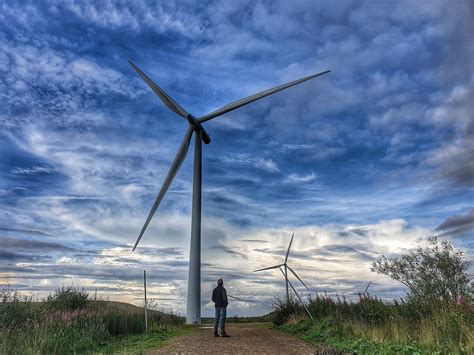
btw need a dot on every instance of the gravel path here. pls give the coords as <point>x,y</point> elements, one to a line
<point>245,339</point>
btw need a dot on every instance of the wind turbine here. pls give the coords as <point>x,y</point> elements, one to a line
<point>195,126</point>
<point>287,267</point>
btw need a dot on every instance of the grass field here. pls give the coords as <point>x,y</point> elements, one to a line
<point>137,344</point>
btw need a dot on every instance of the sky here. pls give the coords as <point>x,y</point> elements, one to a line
<point>365,161</point>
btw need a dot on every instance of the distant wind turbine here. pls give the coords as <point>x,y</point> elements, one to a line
<point>286,267</point>
<point>366,289</point>
<point>195,126</point>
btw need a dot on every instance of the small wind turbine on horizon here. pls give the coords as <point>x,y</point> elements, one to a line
<point>286,267</point>
<point>195,127</point>
<point>366,290</point>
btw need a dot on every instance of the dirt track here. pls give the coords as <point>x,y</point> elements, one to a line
<point>245,339</point>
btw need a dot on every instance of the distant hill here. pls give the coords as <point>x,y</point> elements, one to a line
<point>129,307</point>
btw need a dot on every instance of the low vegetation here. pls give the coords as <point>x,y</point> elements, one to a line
<point>69,322</point>
<point>372,325</point>
<point>436,316</point>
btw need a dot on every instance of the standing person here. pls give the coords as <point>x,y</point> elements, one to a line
<point>219,297</point>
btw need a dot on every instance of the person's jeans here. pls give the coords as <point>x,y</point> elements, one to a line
<point>220,313</point>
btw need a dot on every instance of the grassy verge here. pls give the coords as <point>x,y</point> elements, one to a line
<point>68,322</point>
<point>374,326</point>
<point>338,337</point>
<point>138,344</point>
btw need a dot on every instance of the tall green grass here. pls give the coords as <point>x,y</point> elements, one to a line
<point>372,325</point>
<point>68,322</point>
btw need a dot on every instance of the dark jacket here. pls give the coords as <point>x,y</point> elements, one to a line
<point>219,297</point>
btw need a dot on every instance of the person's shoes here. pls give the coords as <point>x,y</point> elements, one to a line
<point>216,335</point>
<point>224,335</point>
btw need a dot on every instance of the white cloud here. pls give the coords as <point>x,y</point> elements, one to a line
<point>301,179</point>
<point>66,260</point>
<point>159,17</point>
<point>55,87</point>
<point>91,162</point>
<point>33,170</point>
<point>268,165</point>
<point>328,257</point>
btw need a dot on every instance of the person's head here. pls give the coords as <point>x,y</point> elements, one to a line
<point>220,282</point>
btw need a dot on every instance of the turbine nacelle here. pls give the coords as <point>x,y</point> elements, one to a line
<point>197,126</point>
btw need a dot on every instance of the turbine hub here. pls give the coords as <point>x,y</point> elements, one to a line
<point>198,127</point>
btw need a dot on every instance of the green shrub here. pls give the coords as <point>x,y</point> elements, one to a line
<point>436,272</point>
<point>16,309</point>
<point>282,310</point>
<point>68,298</point>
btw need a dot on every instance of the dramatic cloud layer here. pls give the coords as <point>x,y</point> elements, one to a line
<point>364,161</point>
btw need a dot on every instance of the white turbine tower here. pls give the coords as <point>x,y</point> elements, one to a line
<point>195,126</point>
<point>287,267</point>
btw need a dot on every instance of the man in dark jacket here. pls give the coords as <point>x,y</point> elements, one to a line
<point>219,297</point>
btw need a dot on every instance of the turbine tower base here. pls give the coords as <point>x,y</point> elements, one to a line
<point>193,315</point>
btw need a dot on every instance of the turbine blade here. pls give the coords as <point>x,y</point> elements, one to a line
<point>236,298</point>
<point>284,275</point>
<point>178,161</point>
<point>239,103</point>
<point>367,288</point>
<point>167,100</point>
<point>296,293</point>
<point>242,300</point>
<point>268,268</point>
<point>294,273</point>
<point>289,246</point>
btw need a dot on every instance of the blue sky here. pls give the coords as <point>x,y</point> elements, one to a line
<point>364,161</point>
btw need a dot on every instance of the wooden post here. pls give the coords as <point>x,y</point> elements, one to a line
<point>146,316</point>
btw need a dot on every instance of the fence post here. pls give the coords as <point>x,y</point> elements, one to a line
<point>146,315</point>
